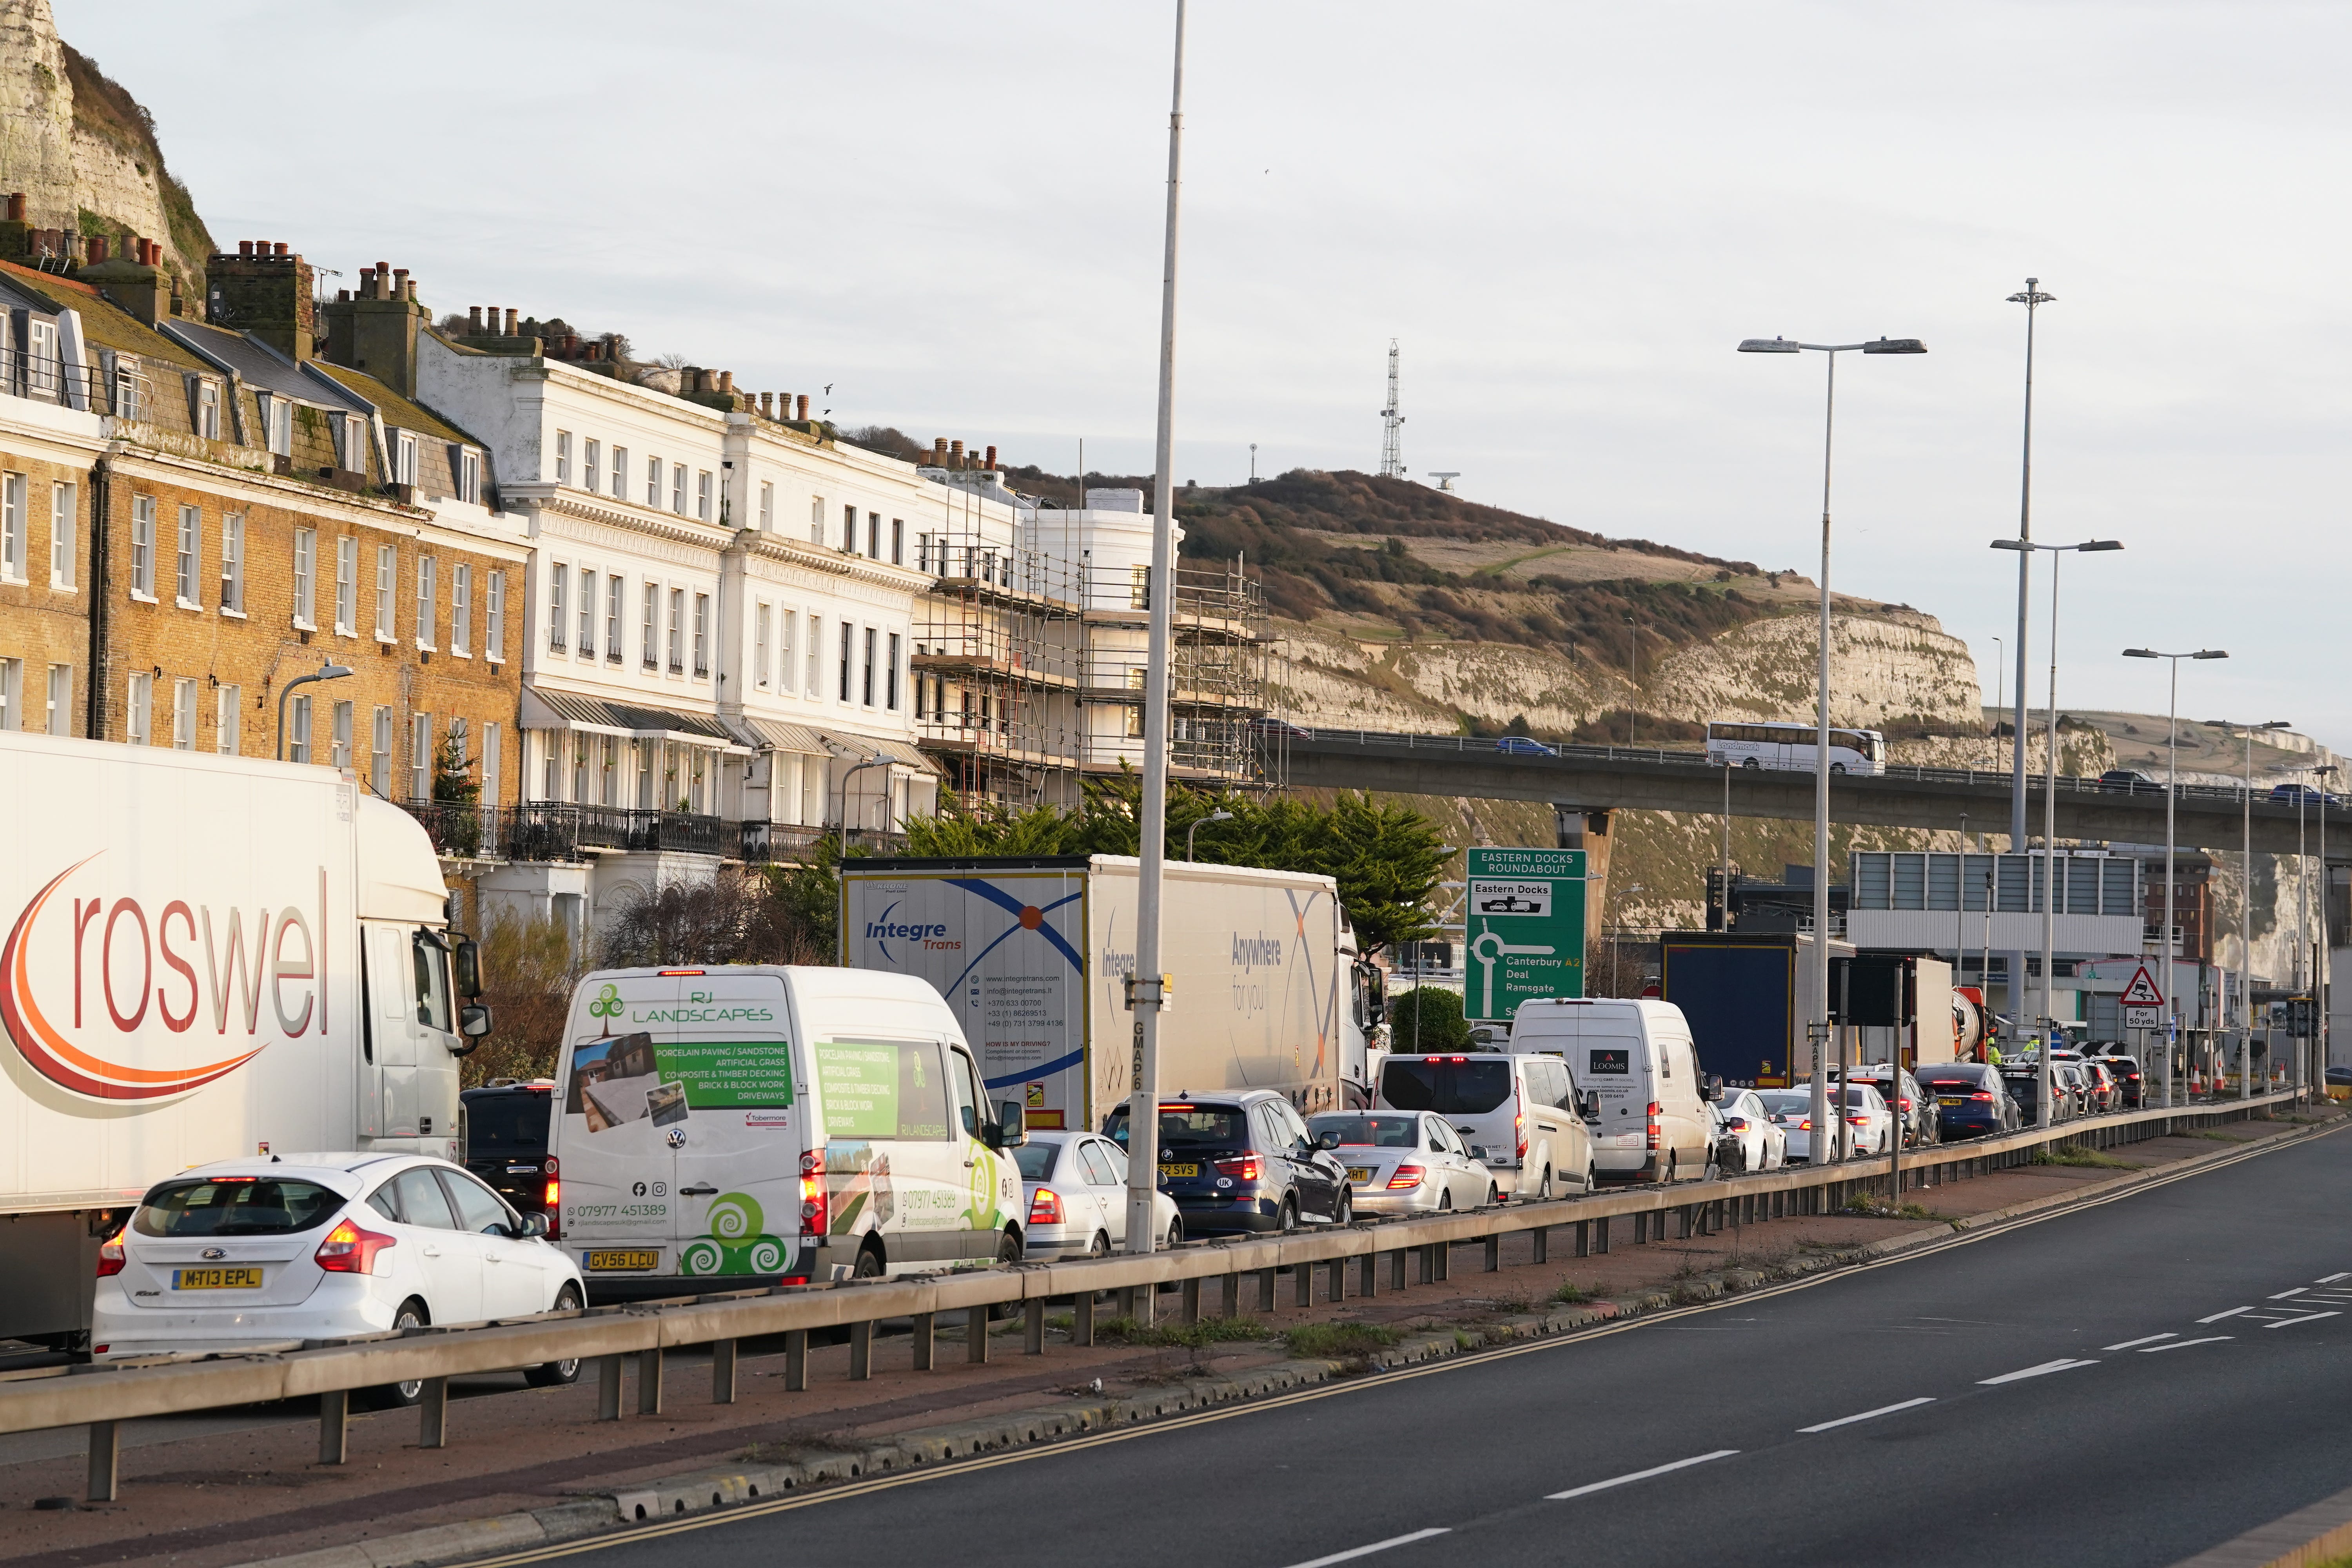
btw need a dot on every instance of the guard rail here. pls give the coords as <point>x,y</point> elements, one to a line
<point>100,1395</point>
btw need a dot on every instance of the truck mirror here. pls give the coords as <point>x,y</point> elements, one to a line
<point>1011,1124</point>
<point>469,963</point>
<point>473,1022</point>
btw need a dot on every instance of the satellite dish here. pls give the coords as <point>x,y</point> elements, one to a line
<point>1445,477</point>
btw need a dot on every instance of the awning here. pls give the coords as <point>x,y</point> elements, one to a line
<point>774,735</point>
<point>850,745</point>
<point>543,710</point>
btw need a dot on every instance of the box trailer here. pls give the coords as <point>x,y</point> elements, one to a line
<point>1033,953</point>
<point>205,957</point>
<point>1748,998</point>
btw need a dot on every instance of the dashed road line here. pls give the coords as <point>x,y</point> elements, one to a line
<point>1867,1415</point>
<point>1354,1553</point>
<point>2184,1344</point>
<point>1640,1475</point>
<point>2285,1294</point>
<point>2218,1316</point>
<point>2309,1317</point>
<point>2045,1368</point>
<point>2134,1344</point>
<point>2332,1279</point>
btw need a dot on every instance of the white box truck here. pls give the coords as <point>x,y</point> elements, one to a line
<point>1033,955</point>
<point>205,957</point>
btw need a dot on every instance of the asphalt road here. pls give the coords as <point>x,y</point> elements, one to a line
<point>2126,1385</point>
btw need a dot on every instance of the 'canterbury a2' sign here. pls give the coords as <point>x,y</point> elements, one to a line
<point>105,966</point>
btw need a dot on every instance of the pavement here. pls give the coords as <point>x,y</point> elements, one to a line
<point>238,1487</point>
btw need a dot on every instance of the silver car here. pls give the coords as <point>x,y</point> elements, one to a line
<point>1405,1162</point>
<point>1075,1184</point>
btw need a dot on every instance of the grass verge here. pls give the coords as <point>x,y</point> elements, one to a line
<point>2068,1155</point>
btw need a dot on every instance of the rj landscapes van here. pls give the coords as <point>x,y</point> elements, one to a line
<point>1033,955</point>
<point>206,957</point>
<point>770,1126</point>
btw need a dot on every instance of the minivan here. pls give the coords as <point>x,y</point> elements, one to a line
<point>773,1125</point>
<point>1636,1058</point>
<point>1519,1113</point>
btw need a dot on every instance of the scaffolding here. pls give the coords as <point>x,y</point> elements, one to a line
<point>1216,674</point>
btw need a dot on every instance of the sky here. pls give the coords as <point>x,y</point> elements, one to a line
<point>1567,215</point>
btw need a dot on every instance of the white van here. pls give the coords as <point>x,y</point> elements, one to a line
<point>1636,1056</point>
<point>762,1126</point>
<point>1522,1115</point>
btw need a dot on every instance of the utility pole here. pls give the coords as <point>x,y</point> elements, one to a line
<point>1392,426</point>
<point>2032,299</point>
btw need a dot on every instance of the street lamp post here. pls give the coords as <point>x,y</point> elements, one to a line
<point>2323,969</point>
<point>2049,822</point>
<point>1776,346</point>
<point>2246,906</point>
<point>2032,299</point>
<point>329,672</point>
<point>1217,815</point>
<point>2171,799</point>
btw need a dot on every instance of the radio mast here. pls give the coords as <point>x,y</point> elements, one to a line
<point>1392,426</point>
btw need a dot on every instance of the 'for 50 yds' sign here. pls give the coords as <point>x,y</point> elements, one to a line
<point>106,966</point>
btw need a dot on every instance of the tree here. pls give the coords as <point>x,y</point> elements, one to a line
<point>730,916</point>
<point>528,968</point>
<point>1426,1020</point>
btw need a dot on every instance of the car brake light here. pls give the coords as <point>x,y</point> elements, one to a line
<point>1981,1095</point>
<point>1244,1169</point>
<point>109,1257</point>
<point>1405,1176</point>
<point>1806,1125</point>
<point>552,1200</point>
<point>552,1166</point>
<point>349,1249</point>
<point>1045,1208</point>
<point>1653,1130</point>
<point>679,972</point>
<point>1858,1120</point>
<point>1519,1130</point>
<point>816,1205</point>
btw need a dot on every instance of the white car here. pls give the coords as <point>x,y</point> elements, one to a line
<point>1791,1109</point>
<point>1405,1162</point>
<point>1077,1186</point>
<point>322,1247</point>
<point>1753,1139</point>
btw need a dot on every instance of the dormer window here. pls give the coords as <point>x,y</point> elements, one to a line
<point>404,459</point>
<point>470,475</point>
<point>208,409</point>
<point>127,402</point>
<point>41,355</point>
<point>276,424</point>
<point>352,443</point>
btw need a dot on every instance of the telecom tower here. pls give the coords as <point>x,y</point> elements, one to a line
<point>1392,426</point>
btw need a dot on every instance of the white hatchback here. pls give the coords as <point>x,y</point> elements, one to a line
<point>322,1247</point>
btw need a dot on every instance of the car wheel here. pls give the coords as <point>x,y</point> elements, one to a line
<point>869,1264</point>
<point>1591,1176</point>
<point>1347,1208</point>
<point>395,1396</point>
<point>1101,1245</point>
<point>1543,1188</point>
<point>556,1373</point>
<point>1751,763</point>
<point>1494,1195</point>
<point>1288,1220</point>
<point>1175,1236</point>
<point>1445,1203</point>
<point>1837,767</point>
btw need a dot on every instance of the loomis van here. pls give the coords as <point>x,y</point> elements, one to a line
<point>1636,1057</point>
<point>762,1126</point>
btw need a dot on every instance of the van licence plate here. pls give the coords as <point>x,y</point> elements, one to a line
<point>1179,1169</point>
<point>215,1278</point>
<point>605,1262</point>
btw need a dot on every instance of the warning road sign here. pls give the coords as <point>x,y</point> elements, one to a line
<point>2142,991</point>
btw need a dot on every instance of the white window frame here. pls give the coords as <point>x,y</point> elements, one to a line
<point>404,459</point>
<point>387,574</point>
<point>12,694</point>
<point>380,753</point>
<point>232,566</point>
<point>653,481</point>
<point>183,713</point>
<point>65,538</point>
<point>420,757</point>
<point>702,494</point>
<point>139,715</point>
<point>559,584</point>
<point>592,465</point>
<point>702,637</point>
<point>493,774</point>
<point>470,475</point>
<point>589,602</point>
<point>298,729</point>
<point>760,615</point>
<point>787,625</point>
<point>428,600</point>
<point>676,631</point>
<point>563,456</point>
<point>338,741</point>
<point>494,636</point>
<point>678,488</point>
<point>142,548</point>
<point>13,526</point>
<point>58,716</point>
<point>208,406</point>
<point>347,584</point>
<point>228,720</point>
<point>651,630</point>
<point>461,610</point>
<point>306,578</point>
<point>352,448</point>
<point>616,589</point>
<point>816,519</point>
<point>767,506</point>
<point>187,554</point>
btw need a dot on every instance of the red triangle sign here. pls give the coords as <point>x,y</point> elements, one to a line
<point>2142,991</point>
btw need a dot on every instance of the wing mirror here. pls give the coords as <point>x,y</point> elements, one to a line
<point>473,1021</point>
<point>1587,1104</point>
<point>467,961</point>
<point>533,1226</point>
<point>1327,1139</point>
<point>1011,1128</point>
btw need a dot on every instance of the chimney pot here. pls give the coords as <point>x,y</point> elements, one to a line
<point>367,282</point>
<point>279,248</point>
<point>97,249</point>
<point>16,206</point>
<point>992,458</point>
<point>245,248</point>
<point>804,406</point>
<point>726,381</point>
<point>474,320</point>
<point>939,452</point>
<point>411,294</point>
<point>510,321</point>
<point>767,405</point>
<point>342,296</point>
<point>955,454</point>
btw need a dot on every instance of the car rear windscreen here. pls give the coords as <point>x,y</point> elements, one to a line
<point>1370,1132</point>
<point>508,1124</point>
<point>1929,1078</point>
<point>1035,1159</point>
<point>248,1205</point>
<point>1446,1086</point>
<point>1193,1127</point>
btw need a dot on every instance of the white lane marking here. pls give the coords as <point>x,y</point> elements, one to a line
<point>2218,1316</point>
<point>2134,1344</point>
<point>2208,1340</point>
<point>1882,1410</point>
<point>2047,1366</point>
<point>1636,1476</point>
<point>2285,1294</point>
<point>1350,1555</point>
<point>2332,1279</point>
<point>2308,1317</point>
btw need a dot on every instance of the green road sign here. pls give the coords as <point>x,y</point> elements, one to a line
<point>1524,914</point>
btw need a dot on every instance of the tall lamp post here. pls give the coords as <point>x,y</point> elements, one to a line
<point>2323,968</point>
<point>2171,800</point>
<point>324,673</point>
<point>2049,821</point>
<point>2246,906</point>
<point>1218,816</point>
<point>1776,346</point>
<point>2032,299</point>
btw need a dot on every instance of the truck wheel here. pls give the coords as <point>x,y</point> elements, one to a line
<point>556,1373</point>
<point>395,1395</point>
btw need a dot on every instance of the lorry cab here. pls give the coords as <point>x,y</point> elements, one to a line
<point>1636,1059</point>
<point>774,1125</point>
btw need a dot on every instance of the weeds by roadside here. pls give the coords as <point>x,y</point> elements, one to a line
<point>2069,1154</point>
<point>1341,1341</point>
<point>1571,1294</point>
<point>1190,1336</point>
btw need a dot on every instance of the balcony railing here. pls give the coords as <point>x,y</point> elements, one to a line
<point>556,830</point>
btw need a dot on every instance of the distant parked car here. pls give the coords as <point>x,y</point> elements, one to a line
<point>324,1246</point>
<point>2289,793</point>
<point>1243,1163</point>
<point>1920,1121</point>
<point>1972,1100</point>
<point>2128,781</point>
<point>1752,1141</point>
<point>1864,1109</point>
<point>1076,1184</point>
<point>1523,746</point>
<point>506,1140</point>
<point>2131,1079</point>
<point>2023,1081</point>
<point>2340,1077</point>
<point>1405,1162</point>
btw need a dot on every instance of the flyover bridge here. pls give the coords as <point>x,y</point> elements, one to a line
<point>1649,778</point>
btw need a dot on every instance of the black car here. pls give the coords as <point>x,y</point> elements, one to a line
<point>506,1141</point>
<point>2131,1078</point>
<point>1241,1163</point>
<point>1972,1100</point>
<point>2023,1081</point>
<point>2128,781</point>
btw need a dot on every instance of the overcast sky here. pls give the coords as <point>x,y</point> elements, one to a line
<point>1569,215</point>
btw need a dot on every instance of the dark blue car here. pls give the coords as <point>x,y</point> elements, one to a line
<point>1243,1163</point>
<point>1971,1099</point>
<point>1525,747</point>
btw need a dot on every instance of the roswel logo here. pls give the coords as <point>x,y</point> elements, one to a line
<point>107,964</point>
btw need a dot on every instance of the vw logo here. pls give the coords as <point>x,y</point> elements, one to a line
<point>677,1136</point>
<point>212,1254</point>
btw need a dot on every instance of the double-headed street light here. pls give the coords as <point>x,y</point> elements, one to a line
<point>1778,345</point>
<point>2172,797</point>
<point>2049,822</point>
<point>2246,905</point>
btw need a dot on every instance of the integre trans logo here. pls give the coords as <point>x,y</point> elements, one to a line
<point>931,936</point>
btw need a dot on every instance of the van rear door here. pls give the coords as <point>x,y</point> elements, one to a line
<point>616,1165</point>
<point>728,1103</point>
<point>1614,1065</point>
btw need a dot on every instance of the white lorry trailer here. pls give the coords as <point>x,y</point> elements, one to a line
<point>204,957</point>
<point>1033,953</point>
